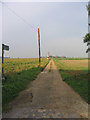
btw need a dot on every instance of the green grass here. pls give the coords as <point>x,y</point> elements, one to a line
<point>14,84</point>
<point>76,76</point>
<point>79,83</point>
<point>17,80</point>
<point>50,67</point>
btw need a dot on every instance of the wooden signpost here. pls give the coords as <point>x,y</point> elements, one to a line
<point>4,47</point>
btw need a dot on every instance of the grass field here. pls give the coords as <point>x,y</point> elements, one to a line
<point>18,73</point>
<point>75,73</point>
<point>0,66</point>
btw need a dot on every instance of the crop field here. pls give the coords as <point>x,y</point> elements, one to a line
<point>18,73</point>
<point>75,73</point>
<point>14,66</point>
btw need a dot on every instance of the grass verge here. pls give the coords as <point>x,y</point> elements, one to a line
<point>79,83</point>
<point>50,67</point>
<point>76,78</point>
<point>14,84</point>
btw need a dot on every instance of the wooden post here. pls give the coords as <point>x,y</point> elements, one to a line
<point>2,61</point>
<point>39,45</point>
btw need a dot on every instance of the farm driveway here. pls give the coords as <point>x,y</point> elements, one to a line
<point>48,97</point>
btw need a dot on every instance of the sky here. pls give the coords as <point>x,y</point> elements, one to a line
<point>62,28</point>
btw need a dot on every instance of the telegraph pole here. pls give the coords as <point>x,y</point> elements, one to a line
<point>39,45</point>
<point>48,55</point>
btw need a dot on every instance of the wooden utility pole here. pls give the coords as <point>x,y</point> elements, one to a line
<point>39,45</point>
<point>48,55</point>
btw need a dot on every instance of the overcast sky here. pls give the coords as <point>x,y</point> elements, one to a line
<point>62,28</point>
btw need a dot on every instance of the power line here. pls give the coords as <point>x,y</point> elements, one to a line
<point>19,16</point>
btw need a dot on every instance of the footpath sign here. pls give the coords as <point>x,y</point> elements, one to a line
<point>4,47</point>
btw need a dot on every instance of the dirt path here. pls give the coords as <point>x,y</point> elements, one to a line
<point>48,97</point>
